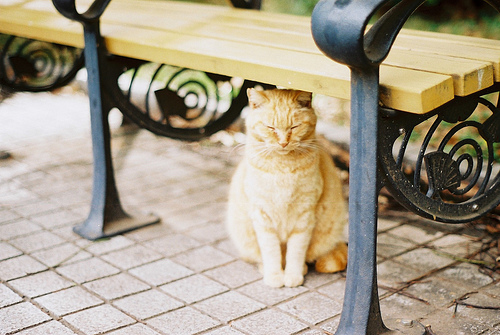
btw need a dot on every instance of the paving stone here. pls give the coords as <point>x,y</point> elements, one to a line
<point>7,216</point>
<point>456,245</point>
<point>466,274</point>
<point>330,326</point>
<point>147,304</point>
<point>268,322</point>
<point>228,247</point>
<point>385,224</point>
<point>116,286</point>
<point>229,306</point>
<point>203,258</point>
<point>493,290</point>
<point>136,329</point>
<point>227,330</point>
<point>235,274</point>
<point>8,251</point>
<point>315,279</point>
<point>270,295</point>
<point>97,320</point>
<point>418,235</point>
<point>68,301</point>
<point>20,266</point>
<point>393,274</point>
<point>49,328</point>
<point>161,272</point>
<point>403,307</point>
<point>20,316</point>
<point>312,332</point>
<point>424,260</point>
<point>23,227</point>
<point>37,208</point>
<point>37,241</point>
<point>8,297</point>
<point>194,288</point>
<point>436,291</point>
<point>490,317</point>
<point>443,322</point>
<point>150,232</point>
<point>132,256</point>
<point>87,270</point>
<point>334,290</point>
<point>312,307</point>
<point>172,244</point>
<point>209,233</point>
<point>390,245</point>
<point>67,233</point>
<point>40,284</point>
<point>182,221</point>
<point>66,253</point>
<point>184,321</point>
<point>104,246</point>
<point>55,219</point>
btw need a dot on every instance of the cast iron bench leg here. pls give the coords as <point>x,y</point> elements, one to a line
<point>361,311</point>
<point>107,217</point>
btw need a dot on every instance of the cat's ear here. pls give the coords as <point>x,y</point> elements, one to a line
<point>304,99</point>
<point>256,98</point>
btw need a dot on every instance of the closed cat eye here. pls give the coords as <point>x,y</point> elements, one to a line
<point>295,126</point>
<point>271,128</point>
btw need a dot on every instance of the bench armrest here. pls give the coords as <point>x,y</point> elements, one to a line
<point>93,13</point>
<point>339,26</point>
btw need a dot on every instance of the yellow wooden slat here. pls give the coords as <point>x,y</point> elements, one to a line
<point>292,69</point>
<point>40,21</point>
<point>460,39</point>
<point>309,71</point>
<point>469,77</point>
<point>450,48</point>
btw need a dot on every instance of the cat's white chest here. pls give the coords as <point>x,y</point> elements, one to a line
<point>283,197</point>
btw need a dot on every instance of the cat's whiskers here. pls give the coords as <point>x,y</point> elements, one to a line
<point>312,144</point>
<point>262,150</point>
<point>236,148</point>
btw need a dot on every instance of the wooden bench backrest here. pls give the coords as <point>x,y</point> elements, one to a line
<point>423,71</point>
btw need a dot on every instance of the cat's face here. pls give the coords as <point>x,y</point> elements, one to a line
<point>281,121</point>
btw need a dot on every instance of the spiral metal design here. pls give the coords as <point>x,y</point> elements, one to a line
<point>30,65</point>
<point>457,166</point>
<point>178,102</point>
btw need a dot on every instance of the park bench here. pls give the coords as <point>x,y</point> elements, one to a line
<point>400,83</point>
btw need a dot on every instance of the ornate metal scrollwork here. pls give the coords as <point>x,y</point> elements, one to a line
<point>30,65</point>
<point>178,102</point>
<point>456,176</point>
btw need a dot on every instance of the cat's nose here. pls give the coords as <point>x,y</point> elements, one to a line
<point>283,144</point>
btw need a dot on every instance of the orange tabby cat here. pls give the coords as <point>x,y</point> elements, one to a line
<point>285,201</point>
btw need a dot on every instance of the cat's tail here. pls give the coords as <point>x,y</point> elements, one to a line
<point>334,261</point>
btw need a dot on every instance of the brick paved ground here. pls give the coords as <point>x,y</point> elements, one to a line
<point>182,276</point>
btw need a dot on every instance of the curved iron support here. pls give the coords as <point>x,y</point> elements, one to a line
<point>35,66</point>
<point>163,108</point>
<point>461,170</point>
<point>338,28</point>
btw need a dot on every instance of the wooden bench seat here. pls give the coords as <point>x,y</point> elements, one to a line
<point>422,72</point>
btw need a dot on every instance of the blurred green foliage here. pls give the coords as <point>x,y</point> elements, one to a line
<point>464,17</point>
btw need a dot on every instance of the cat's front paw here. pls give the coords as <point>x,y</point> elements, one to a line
<point>274,279</point>
<point>293,279</point>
